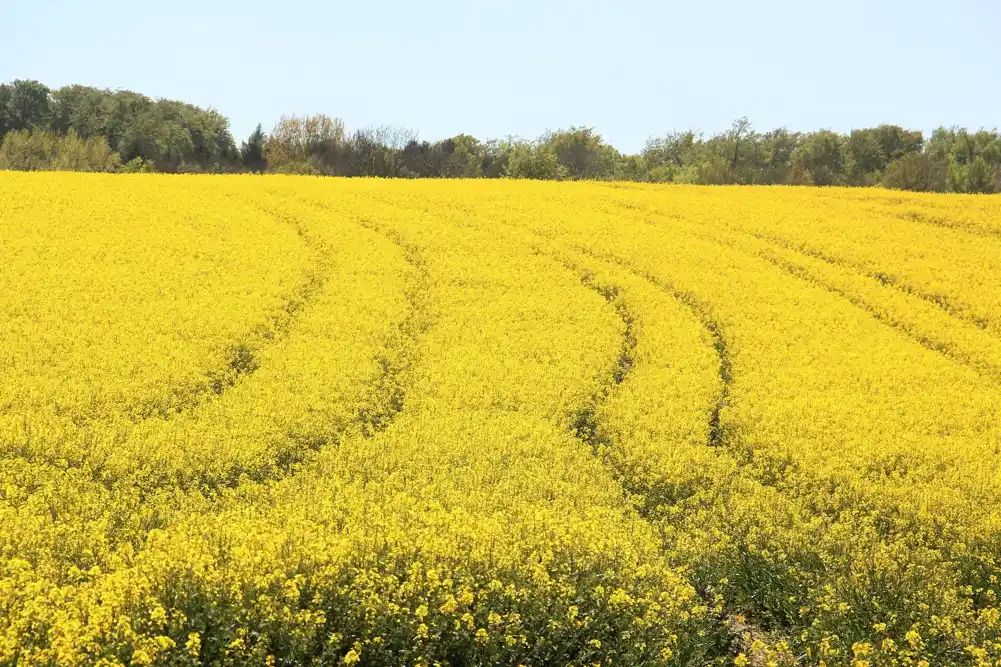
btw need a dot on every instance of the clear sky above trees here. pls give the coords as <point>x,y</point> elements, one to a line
<point>629,69</point>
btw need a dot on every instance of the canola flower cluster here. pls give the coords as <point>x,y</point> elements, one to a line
<point>283,421</point>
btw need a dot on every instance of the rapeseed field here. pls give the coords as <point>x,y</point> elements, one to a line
<point>266,420</point>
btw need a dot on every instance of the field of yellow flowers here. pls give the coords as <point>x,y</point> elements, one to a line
<point>295,421</point>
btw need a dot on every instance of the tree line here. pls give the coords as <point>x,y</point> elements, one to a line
<point>90,129</point>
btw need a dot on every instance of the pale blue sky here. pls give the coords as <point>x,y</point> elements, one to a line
<point>630,69</point>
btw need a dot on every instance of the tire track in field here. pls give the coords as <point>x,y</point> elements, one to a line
<point>394,361</point>
<point>718,434</point>
<point>747,616</point>
<point>935,221</point>
<point>735,627</point>
<point>763,470</point>
<point>585,424</point>
<point>968,577</point>
<point>128,502</point>
<point>753,615</point>
<point>940,301</point>
<point>768,471</point>
<point>586,427</point>
<point>771,477</point>
<point>159,505</point>
<point>240,358</point>
<point>396,367</point>
<point>240,361</point>
<point>703,313</point>
<point>952,352</point>
<point>983,368</point>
